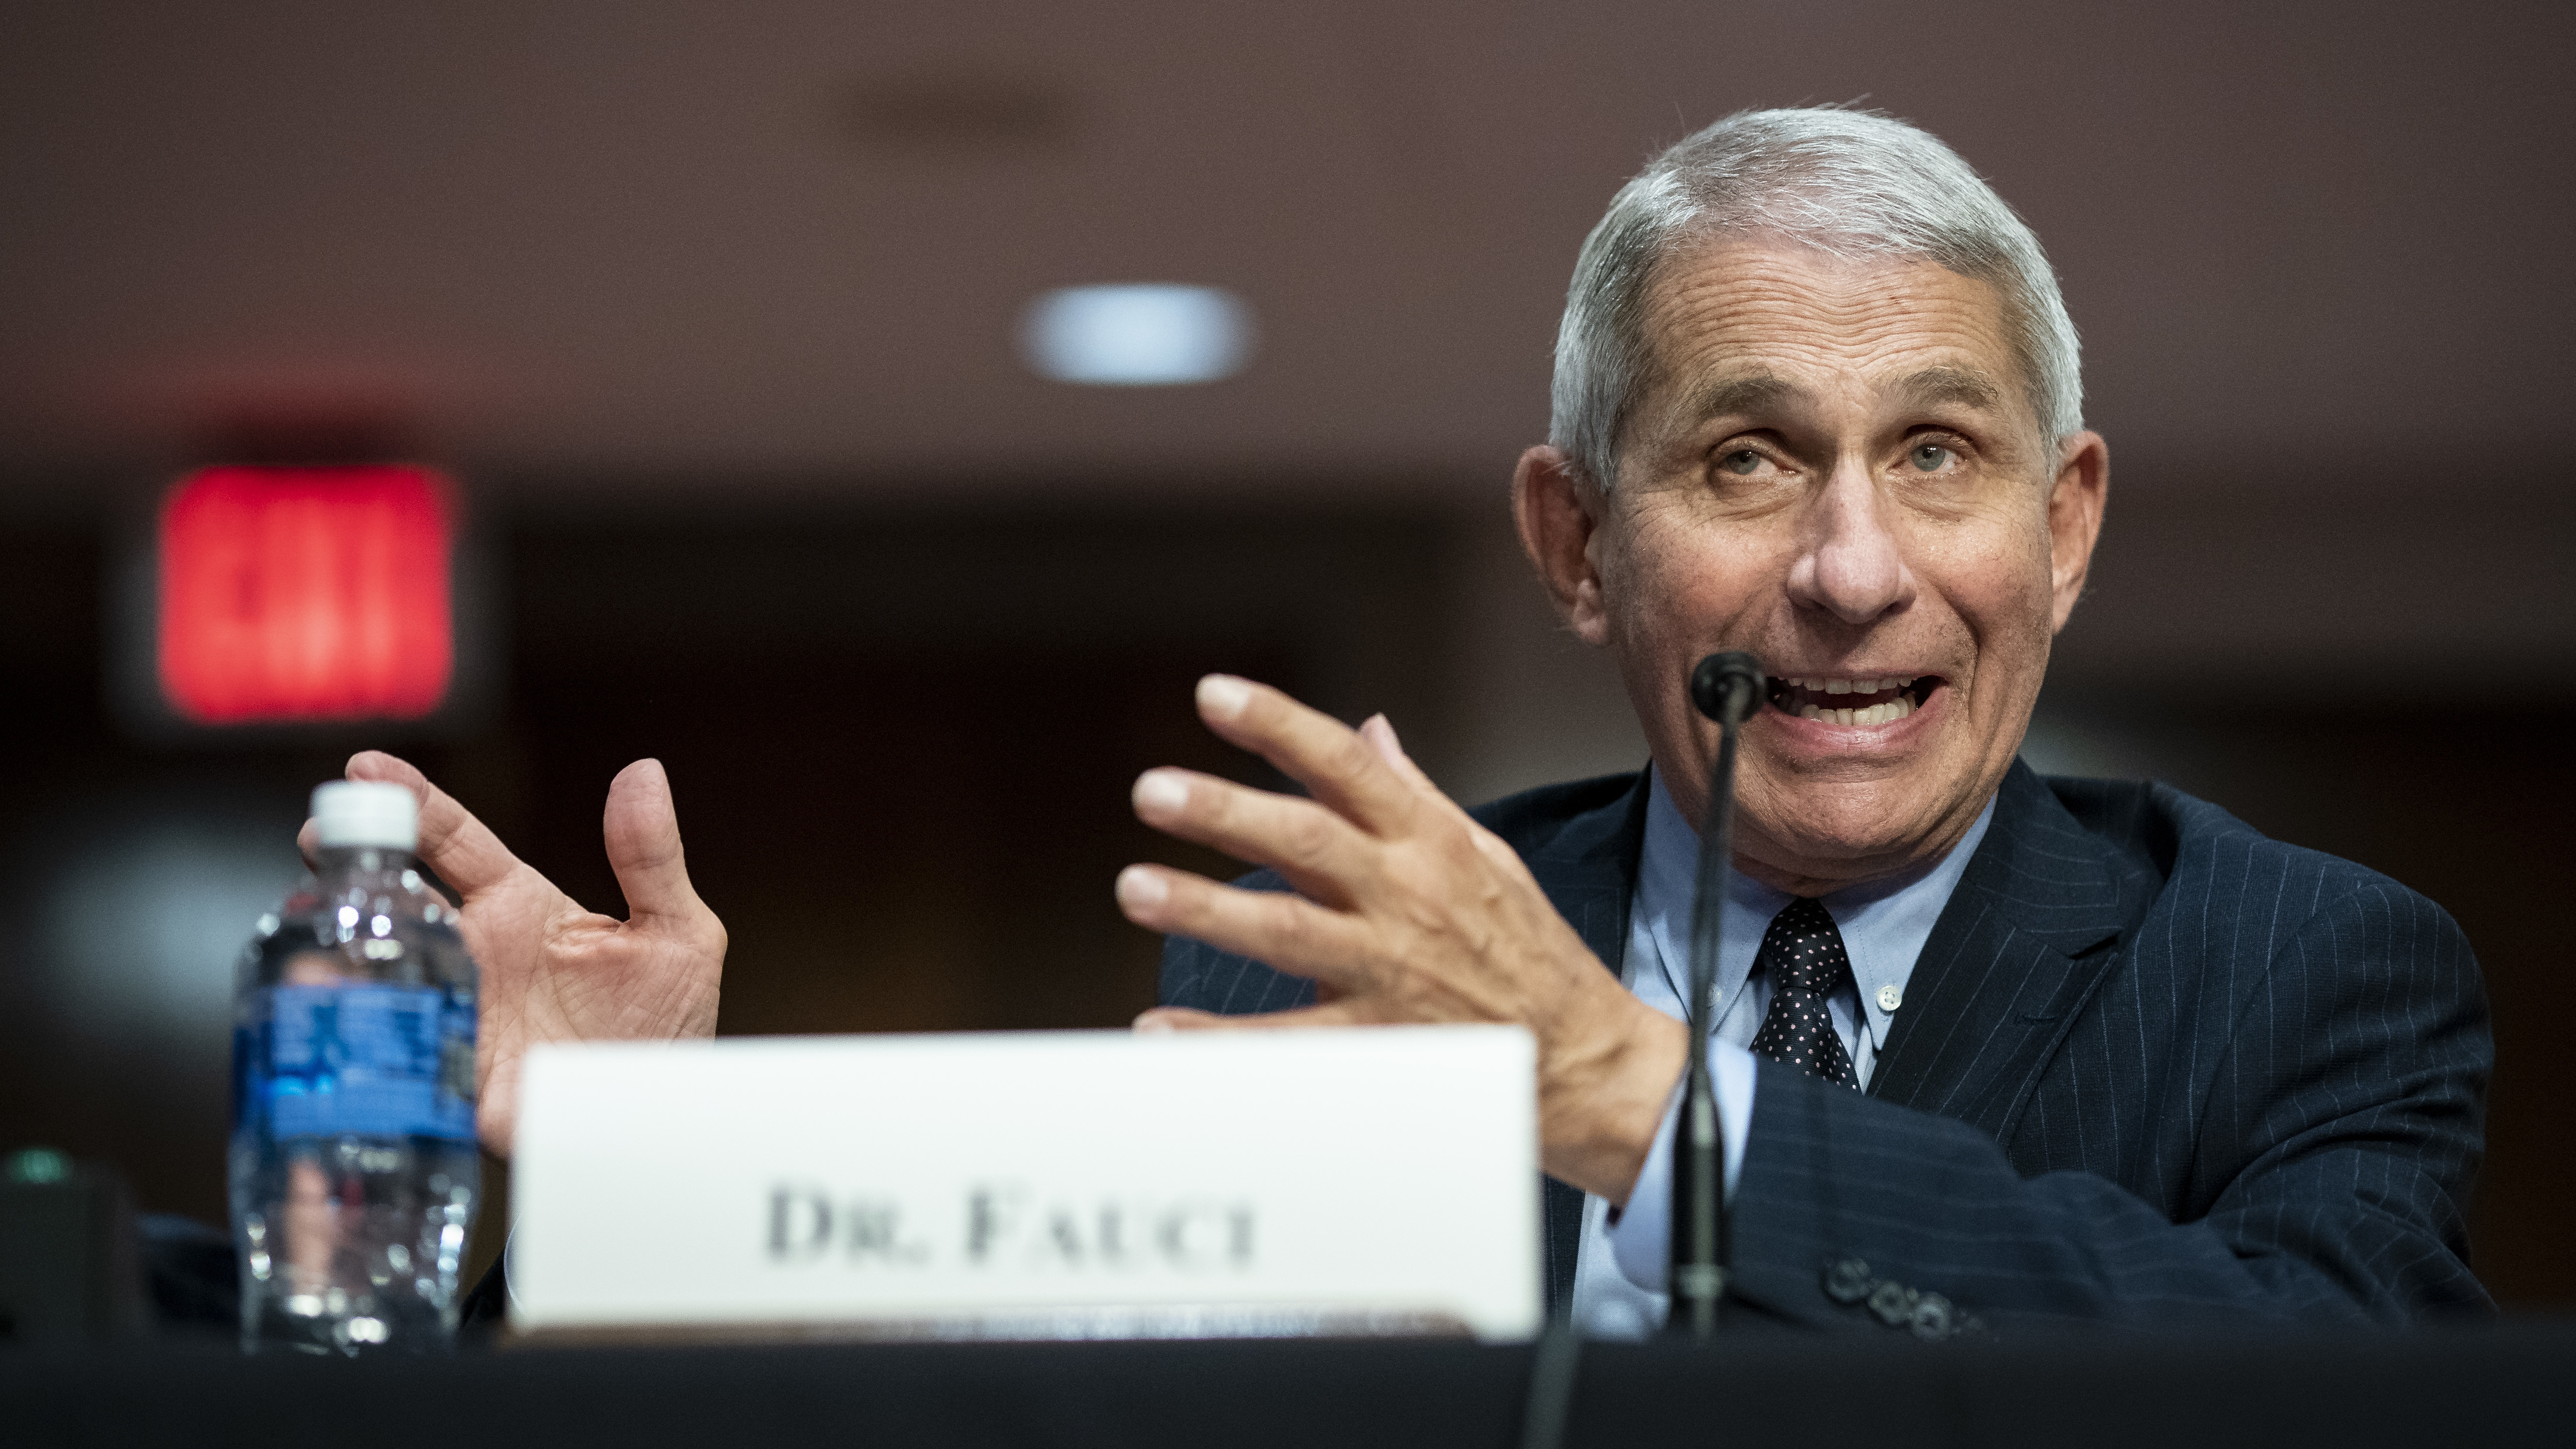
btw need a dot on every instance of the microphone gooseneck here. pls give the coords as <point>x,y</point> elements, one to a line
<point>1727,688</point>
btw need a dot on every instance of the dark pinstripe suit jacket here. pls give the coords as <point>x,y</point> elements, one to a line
<point>2152,1067</point>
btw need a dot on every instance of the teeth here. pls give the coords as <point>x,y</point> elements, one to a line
<point>1873,715</point>
<point>1886,712</point>
<point>1821,685</point>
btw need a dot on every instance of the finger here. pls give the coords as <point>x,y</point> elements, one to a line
<point>643,834</point>
<point>1284,931</point>
<point>1316,750</point>
<point>1379,731</point>
<point>308,841</point>
<point>1319,852</point>
<point>464,851</point>
<point>1183,1018</point>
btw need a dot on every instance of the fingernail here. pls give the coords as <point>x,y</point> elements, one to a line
<point>1381,737</point>
<point>1161,792</point>
<point>1139,888</point>
<point>1223,695</point>
<point>1151,1024</point>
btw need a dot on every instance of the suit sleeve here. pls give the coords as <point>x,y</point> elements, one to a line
<point>2340,1128</point>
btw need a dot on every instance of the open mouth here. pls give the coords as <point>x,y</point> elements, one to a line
<point>1869,700</point>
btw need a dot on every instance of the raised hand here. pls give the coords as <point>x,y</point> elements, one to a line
<point>1406,910</point>
<point>552,971</point>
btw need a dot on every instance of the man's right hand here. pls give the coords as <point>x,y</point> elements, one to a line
<point>552,971</point>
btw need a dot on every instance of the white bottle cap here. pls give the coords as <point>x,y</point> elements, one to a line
<point>366,814</point>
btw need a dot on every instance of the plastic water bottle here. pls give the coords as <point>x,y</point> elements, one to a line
<point>354,1169</point>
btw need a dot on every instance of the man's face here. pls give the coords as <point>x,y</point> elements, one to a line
<point>1835,467</point>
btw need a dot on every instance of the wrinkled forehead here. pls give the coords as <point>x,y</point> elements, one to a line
<point>1743,321</point>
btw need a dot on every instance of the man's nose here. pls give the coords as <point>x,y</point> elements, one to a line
<point>1852,565</point>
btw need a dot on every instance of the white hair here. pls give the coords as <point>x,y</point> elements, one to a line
<point>1853,184</point>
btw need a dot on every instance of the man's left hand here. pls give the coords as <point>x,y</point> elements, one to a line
<point>1406,910</point>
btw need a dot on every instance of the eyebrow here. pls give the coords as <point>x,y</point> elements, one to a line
<point>1744,393</point>
<point>1959,385</point>
<point>1755,392</point>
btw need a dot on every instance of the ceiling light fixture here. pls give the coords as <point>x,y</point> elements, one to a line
<point>1137,335</point>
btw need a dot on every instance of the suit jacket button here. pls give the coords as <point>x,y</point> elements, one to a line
<point>1848,1281</point>
<point>1934,1319</point>
<point>1893,1303</point>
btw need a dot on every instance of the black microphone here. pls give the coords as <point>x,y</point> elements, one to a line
<point>1728,689</point>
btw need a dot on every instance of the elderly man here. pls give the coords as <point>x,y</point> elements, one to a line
<point>1990,1050</point>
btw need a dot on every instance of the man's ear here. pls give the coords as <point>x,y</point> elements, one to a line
<point>1559,516</point>
<point>2076,498</point>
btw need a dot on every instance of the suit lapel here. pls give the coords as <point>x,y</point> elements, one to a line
<point>1589,872</point>
<point>2032,929</point>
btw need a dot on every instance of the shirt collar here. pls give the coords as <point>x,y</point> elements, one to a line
<point>1884,923</point>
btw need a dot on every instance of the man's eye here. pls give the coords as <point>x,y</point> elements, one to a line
<point>1742,461</point>
<point>1929,457</point>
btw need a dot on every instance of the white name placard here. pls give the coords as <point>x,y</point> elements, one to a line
<point>1039,1184</point>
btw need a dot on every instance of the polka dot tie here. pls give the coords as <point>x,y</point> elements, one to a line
<point>1805,956</point>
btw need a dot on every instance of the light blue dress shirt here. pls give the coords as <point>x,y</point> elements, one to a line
<point>1619,1273</point>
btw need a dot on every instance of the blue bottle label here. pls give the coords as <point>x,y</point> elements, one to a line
<point>370,1061</point>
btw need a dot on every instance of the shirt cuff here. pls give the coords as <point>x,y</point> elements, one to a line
<point>1641,1240</point>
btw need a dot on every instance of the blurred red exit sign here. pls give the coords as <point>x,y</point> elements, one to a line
<point>296,594</point>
